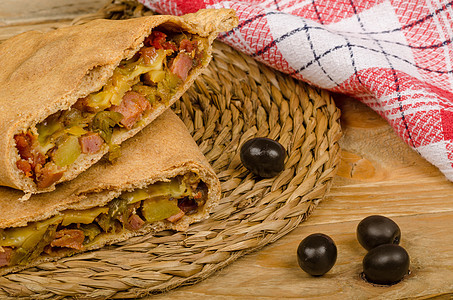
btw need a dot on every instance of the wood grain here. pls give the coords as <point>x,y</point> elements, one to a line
<point>273,271</point>
<point>378,174</point>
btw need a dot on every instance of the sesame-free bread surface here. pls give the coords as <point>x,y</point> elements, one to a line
<point>43,73</point>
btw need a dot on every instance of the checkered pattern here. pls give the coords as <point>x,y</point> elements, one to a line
<point>396,56</point>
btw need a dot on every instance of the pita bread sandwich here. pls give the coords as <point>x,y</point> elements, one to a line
<point>162,181</point>
<point>69,96</point>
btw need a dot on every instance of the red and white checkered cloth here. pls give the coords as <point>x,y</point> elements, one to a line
<point>396,56</point>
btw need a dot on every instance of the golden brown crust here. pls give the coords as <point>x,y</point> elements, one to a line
<point>153,154</point>
<point>46,72</point>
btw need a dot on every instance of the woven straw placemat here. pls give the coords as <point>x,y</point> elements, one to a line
<point>236,99</point>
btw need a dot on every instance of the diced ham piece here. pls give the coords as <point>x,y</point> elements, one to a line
<point>91,143</point>
<point>181,65</point>
<point>48,175</point>
<point>131,107</point>
<point>69,238</point>
<point>5,256</point>
<point>189,47</point>
<point>135,222</point>
<point>176,217</point>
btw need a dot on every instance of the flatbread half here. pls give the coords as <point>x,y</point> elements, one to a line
<point>69,96</point>
<point>162,181</point>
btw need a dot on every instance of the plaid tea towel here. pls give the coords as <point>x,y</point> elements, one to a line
<point>396,56</point>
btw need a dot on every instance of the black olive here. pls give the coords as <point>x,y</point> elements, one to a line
<point>386,264</point>
<point>263,156</point>
<point>316,254</point>
<point>377,230</point>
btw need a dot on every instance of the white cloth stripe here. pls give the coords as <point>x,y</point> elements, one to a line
<point>414,101</point>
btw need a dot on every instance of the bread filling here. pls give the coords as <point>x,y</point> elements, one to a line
<point>138,86</point>
<point>76,230</point>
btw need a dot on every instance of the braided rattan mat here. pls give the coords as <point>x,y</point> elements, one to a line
<point>235,100</point>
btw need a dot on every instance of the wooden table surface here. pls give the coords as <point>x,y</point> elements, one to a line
<point>378,174</point>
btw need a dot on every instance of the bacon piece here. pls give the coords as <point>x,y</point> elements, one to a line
<point>69,238</point>
<point>91,143</point>
<point>48,175</point>
<point>132,108</point>
<point>5,256</point>
<point>31,160</point>
<point>187,45</point>
<point>181,65</point>
<point>135,222</point>
<point>158,40</point>
<point>149,54</point>
<point>176,217</point>
<point>25,167</point>
<point>24,142</point>
<point>169,45</point>
<point>155,39</point>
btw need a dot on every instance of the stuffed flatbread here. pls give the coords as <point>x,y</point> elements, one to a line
<point>69,96</point>
<point>162,181</point>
